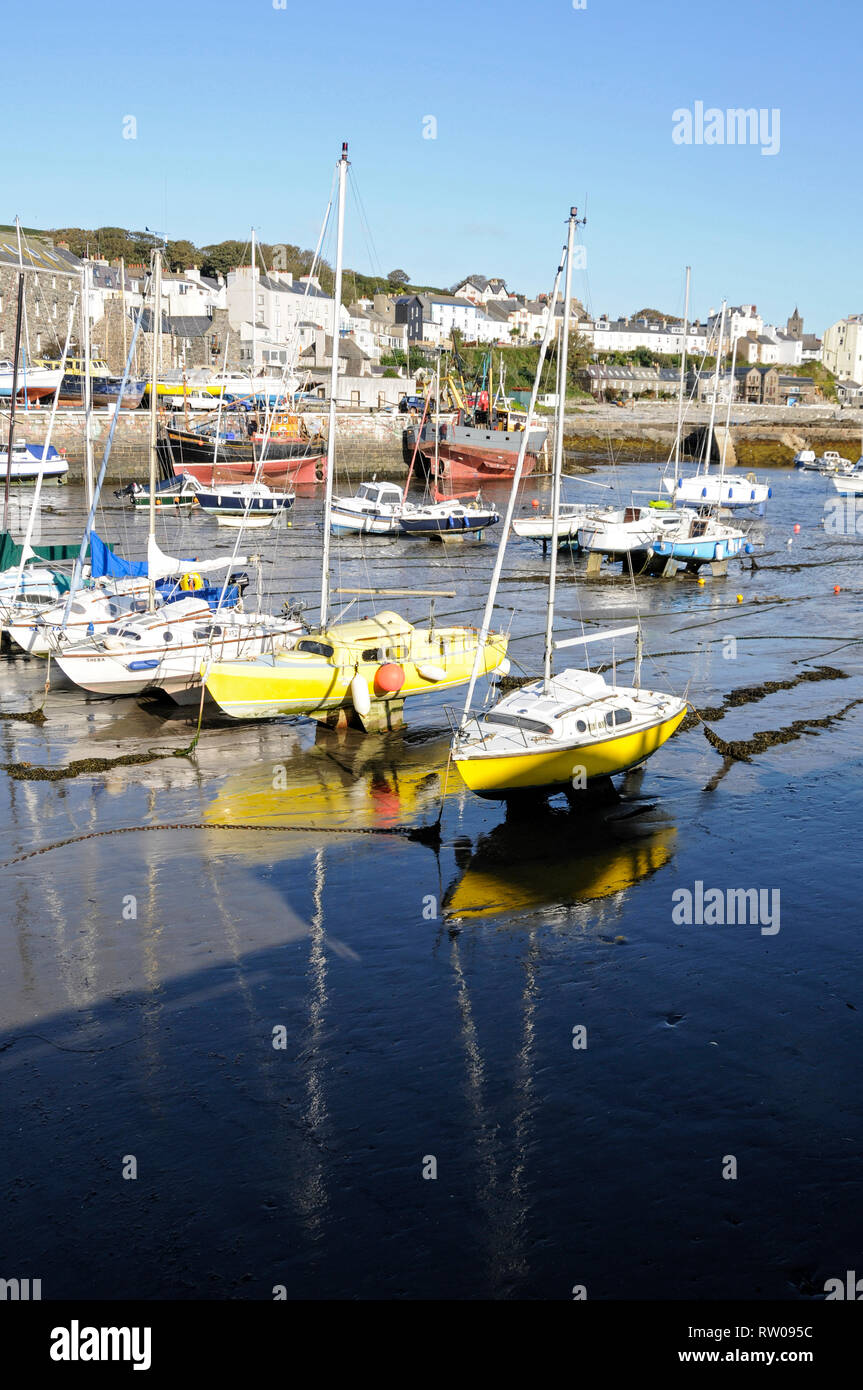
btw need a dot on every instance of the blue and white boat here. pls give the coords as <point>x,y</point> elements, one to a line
<point>243,504</point>
<point>701,540</point>
<point>28,462</point>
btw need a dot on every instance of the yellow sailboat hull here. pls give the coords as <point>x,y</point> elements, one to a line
<point>293,683</point>
<point>495,775</point>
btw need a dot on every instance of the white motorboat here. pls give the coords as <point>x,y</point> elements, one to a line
<point>380,509</point>
<point>374,510</point>
<point>712,490</point>
<point>620,531</point>
<point>28,463</point>
<point>849,482</point>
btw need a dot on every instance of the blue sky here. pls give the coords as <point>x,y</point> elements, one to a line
<point>241,109</point>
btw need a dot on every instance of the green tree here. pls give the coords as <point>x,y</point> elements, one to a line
<point>399,277</point>
<point>223,256</point>
<point>180,255</point>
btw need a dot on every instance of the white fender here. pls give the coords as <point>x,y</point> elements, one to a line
<point>431,673</point>
<point>360,695</point>
<point>503,669</point>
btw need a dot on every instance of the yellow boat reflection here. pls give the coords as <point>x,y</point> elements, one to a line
<point>557,860</point>
<point>345,781</point>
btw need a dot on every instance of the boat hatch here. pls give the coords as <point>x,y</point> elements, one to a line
<point>518,721</point>
<point>124,632</point>
<point>618,716</point>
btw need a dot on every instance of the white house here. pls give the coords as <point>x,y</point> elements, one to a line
<point>739,322</point>
<point>284,313</point>
<point>842,351</point>
<point>626,335</point>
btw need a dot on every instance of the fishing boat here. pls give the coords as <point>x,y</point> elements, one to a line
<point>216,455</point>
<point>804,458</point>
<point>243,504</point>
<point>564,730</point>
<point>466,452</point>
<point>35,381</point>
<point>29,460</point>
<point>358,671</point>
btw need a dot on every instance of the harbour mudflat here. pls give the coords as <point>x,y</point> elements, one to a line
<point>285,1023</point>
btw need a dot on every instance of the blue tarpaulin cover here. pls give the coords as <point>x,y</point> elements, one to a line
<point>103,562</point>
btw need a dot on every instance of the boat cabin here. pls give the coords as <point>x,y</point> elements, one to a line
<point>380,494</point>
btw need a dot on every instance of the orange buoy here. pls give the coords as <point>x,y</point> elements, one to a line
<point>836,589</point>
<point>389,678</point>
<point>534,503</point>
<point>797,528</point>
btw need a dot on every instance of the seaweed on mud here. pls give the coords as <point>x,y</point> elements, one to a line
<point>27,772</point>
<point>751,694</point>
<point>29,716</point>
<point>743,750</point>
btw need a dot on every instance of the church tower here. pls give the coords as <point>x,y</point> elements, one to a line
<point>794,326</point>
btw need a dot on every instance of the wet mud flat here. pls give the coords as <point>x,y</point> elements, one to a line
<point>283,1023</point>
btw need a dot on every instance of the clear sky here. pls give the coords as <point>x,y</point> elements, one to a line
<point>241,109</point>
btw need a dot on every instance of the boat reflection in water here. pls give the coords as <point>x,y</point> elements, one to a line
<point>344,781</point>
<point>560,859</point>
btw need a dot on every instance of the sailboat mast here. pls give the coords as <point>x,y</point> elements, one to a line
<point>254,320</point>
<point>13,400</point>
<point>334,386</point>
<point>728,417</point>
<point>513,493</point>
<point>682,381</point>
<point>154,399</point>
<point>712,424</point>
<point>558,444</point>
<point>88,381</point>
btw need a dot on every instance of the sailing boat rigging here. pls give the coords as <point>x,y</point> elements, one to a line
<point>360,671</point>
<point>563,730</point>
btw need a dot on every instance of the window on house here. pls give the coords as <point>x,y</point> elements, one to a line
<point>38,342</point>
<point>355,398</point>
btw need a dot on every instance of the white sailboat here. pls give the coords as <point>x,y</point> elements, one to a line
<point>163,647</point>
<point>564,730</point>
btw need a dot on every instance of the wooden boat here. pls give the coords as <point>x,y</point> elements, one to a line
<point>235,458</point>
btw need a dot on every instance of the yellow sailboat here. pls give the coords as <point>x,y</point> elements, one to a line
<point>564,730</point>
<point>353,667</point>
<point>362,671</point>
